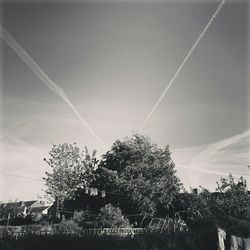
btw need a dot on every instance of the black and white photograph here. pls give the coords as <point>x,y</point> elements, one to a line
<point>124,125</point>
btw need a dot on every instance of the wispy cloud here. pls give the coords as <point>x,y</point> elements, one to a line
<point>230,155</point>
<point>208,153</point>
<point>21,166</point>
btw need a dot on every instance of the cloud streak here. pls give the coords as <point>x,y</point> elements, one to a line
<point>219,158</point>
<point>208,153</point>
<point>54,87</point>
<point>21,165</point>
<point>207,171</point>
<point>204,31</point>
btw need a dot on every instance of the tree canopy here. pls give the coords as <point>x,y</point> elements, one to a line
<point>72,169</point>
<point>228,207</point>
<point>234,199</point>
<point>140,175</point>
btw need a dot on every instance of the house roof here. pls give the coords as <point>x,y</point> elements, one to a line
<point>12,204</point>
<point>29,203</point>
<point>20,204</point>
<point>38,209</point>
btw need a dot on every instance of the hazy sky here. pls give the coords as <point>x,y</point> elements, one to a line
<point>113,59</point>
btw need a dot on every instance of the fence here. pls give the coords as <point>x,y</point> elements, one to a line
<point>113,231</point>
<point>18,231</point>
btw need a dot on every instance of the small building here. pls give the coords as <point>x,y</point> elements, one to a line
<point>23,208</point>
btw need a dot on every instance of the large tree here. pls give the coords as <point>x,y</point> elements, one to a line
<point>71,170</point>
<point>138,175</point>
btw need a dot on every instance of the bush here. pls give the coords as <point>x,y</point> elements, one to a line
<point>85,219</point>
<point>236,226</point>
<point>25,229</point>
<point>10,230</point>
<point>204,233</point>
<point>110,216</point>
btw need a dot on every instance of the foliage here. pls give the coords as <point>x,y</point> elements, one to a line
<point>28,220</point>
<point>85,219</point>
<point>72,169</point>
<point>139,177</point>
<point>232,199</point>
<point>108,217</point>
<point>111,217</point>
<point>228,207</point>
<point>68,226</point>
<point>84,201</point>
<point>24,229</point>
<point>11,209</point>
<point>14,213</point>
<point>193,205</point>
<point>141,173</point>
<point>204,232</point>
<point>237,227</point>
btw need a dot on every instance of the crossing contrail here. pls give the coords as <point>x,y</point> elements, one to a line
<point>54,87</point>
<point>204,31</point>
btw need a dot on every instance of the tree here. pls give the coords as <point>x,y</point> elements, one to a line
<point>139,176</point>
<point>72,169</point>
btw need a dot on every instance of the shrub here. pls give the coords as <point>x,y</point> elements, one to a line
<point>110,216</point>
<point>85,219</point>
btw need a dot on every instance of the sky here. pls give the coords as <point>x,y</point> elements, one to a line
<point>111,60</point>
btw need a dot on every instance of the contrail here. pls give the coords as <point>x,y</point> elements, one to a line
<point>205,161</point>
<point>204,31</point>
<point>5,35</point>
<point>210,151</point>
<point>207,171</point>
